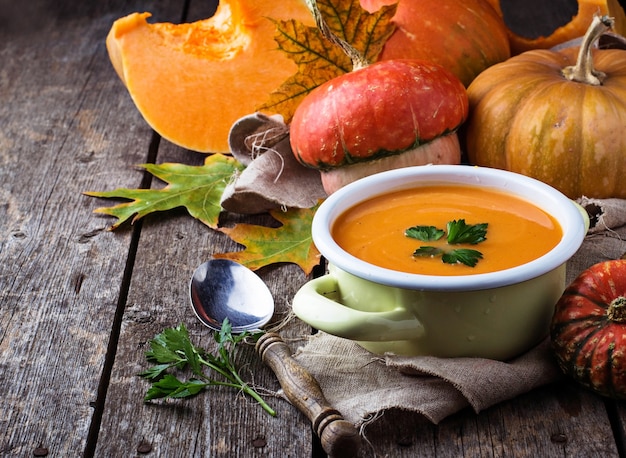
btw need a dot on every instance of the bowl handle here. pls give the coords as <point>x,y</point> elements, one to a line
<point>314,304</point>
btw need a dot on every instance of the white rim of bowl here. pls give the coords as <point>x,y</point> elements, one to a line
<point>542,195</point>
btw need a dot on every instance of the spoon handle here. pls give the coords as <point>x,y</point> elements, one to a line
<point>338,436</point>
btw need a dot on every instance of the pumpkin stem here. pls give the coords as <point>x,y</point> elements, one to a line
<point>358,60</point>
<point>617,310</point>
<point>583,71</point>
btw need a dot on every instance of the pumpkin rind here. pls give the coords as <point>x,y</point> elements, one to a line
<point>465,37</point>
<point>192,81</point>
<point>589,346</point>
<point>441,150</point>
<point>527,118</point>
<point>573,29</point>
<point>380,110</point>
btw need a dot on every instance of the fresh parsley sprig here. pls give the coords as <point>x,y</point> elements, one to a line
<point>462,255</point>
<point>172,350</point>
<point>425,233</point>
<point>458,232</point>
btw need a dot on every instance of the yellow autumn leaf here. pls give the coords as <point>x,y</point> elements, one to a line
<point>291,242</point>
<point>320,60</point>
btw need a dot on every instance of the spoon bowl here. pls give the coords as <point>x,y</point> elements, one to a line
<point>221,288</point>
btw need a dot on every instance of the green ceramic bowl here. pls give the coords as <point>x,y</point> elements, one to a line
<point>495,315</point>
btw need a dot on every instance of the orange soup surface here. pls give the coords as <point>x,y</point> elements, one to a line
<point>517,232</point>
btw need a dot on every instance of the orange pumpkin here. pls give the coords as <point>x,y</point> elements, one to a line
<point>559,117</point>
<point>387,115</point>
<point>192,81</point>
<point>464,37</point>
<point>521,21</point>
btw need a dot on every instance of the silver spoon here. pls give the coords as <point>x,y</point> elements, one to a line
<point>221,288</point>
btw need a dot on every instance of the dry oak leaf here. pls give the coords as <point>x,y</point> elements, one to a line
<point>318,59</point>
<point>289,243</point>
<point>197,188</point>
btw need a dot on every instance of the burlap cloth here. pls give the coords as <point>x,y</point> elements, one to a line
<point>362,385</point>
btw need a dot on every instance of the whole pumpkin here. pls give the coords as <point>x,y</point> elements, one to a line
<point>588,329</point>
<point>465,36</point>
<point>559,117</point>
<point>387,115</point>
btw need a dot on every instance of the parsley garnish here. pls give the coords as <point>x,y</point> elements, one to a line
<point>172,349</point>
<point>463,256</point>
<point>425,233</point>
<point>427,251</point>
<point>458,233</point>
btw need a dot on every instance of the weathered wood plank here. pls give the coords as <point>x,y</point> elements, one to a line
<point>218,422</point>
<point>617,412</point>
<point>554,421</point>
<point>64,124</point>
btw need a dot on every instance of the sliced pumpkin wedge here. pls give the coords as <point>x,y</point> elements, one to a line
<point>192,81</point>
<point>575,28</point>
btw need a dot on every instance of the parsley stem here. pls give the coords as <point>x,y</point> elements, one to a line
<point>253,394</point>
<point>236,382</point>
<point>216,368</point>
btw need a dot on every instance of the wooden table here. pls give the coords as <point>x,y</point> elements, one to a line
<point>78,303</point>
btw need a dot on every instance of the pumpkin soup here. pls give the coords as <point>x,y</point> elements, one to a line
<point>502,230</point>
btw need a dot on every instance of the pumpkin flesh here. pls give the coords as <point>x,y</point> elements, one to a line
<point>192,81</point>
<point>528,118</point>
<point>588,330</point>
<point>575,28</point>
<point>464,37</point>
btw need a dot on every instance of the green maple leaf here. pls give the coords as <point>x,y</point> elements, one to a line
<point>318,59</point>
<point>291,242</point>
<point>197,188</point>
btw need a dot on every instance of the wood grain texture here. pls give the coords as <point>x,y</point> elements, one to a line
<point>219,422</point>
<point>78,304</point>
<point>555,421</point>
<point>66,128</point>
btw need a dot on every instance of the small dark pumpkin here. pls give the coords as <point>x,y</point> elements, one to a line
<point>588,329</point>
